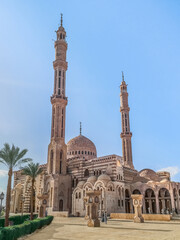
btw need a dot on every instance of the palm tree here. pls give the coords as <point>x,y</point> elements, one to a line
<point>12,157</point>
<point>32,170</point>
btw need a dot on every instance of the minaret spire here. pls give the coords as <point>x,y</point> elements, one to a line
<point>122,76</point>
<point>61,19</point>
<point>126,133</point>
<point>57,148</point>
<point>80,128</point>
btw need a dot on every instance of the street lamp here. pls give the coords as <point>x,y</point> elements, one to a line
<point>1,198</point>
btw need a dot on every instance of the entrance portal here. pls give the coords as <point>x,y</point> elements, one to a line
<point>127,201</point>
<point>61,205</point>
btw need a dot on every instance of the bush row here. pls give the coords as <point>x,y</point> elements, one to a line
<point>17,219</point>
<point>16,231</point>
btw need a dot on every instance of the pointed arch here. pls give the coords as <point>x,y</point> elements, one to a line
<point>51,161</point>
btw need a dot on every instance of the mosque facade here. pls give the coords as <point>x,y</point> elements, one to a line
<point>74,168</point>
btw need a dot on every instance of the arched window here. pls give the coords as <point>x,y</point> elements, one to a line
<point>127,195</point>
<point>51,162</point>
<point>136,191</point>
<point>76,182</point>
<point>86,173</point>
<point>63,80</point>
<point>76,195</point>
<point>53,121</point>
<point>79,195</point>
<point>61,36</point>
<point>59,83</point>
<point>61,158</point>
<point>96,199</point>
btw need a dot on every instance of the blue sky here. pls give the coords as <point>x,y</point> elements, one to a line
<point>104,37</point>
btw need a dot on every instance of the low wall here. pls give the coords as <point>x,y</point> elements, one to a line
<point>58,214</point>
<point>154,217</point>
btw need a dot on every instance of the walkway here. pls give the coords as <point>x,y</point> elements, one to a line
<point>75,229</point>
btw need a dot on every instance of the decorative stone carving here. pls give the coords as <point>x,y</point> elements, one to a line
<point>92,205</point>
<point>137,203</point>
<point>42,204</point>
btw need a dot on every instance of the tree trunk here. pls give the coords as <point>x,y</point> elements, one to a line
<point>32,195</point>
<point>8,197</point>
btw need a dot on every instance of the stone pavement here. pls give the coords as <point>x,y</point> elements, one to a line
<point>75,228</point>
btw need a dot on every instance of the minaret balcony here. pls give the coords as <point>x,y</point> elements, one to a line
<point>59,96</point>
<point>55,98</point>
<point>126,134</point>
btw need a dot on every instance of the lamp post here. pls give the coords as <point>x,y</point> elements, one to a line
<point>1,199</point>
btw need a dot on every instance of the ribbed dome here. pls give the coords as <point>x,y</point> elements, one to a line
<point>149,174</point>
<point>81,146</point>
<point>104,177</point>
<point>80,184</point>
<point>92,179</point>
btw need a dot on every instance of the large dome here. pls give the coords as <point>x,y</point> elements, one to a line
<point>81,146</point>
<point>149,174</point>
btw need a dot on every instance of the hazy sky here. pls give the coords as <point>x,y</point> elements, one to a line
<point>104,37</point>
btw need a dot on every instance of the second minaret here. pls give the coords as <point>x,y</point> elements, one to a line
<point>126,134</point>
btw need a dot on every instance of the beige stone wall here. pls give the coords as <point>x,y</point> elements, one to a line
<point>154,217</point>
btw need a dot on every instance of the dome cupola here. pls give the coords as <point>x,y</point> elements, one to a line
<point>81,146</point>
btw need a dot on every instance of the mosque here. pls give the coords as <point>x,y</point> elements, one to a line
<point>74,168</point>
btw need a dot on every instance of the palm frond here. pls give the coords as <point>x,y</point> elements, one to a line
<point>32,170</point>
<point>12,156</point>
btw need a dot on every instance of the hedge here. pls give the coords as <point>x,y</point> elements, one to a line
<point>17,219</point>
<point>16,231</point>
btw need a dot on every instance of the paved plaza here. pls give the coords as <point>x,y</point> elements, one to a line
<point>75,228</point>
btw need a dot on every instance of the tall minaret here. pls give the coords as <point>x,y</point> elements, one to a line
<point>57,150</point>
<point>126,134</point>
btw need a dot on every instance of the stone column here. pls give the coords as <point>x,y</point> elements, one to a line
<point>150,205</point>
<point>157,204</point>
<point>131,205</point>
<point>172,200</point>
<point>144,206</point>
<point>178,210</point>
<point>86,216</point>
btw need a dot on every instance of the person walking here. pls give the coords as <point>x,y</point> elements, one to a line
<point>105,217</point>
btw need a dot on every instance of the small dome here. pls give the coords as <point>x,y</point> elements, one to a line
<point>80,184</point>
<point>149,174</point>
<point>92,179</point>
<point>81,146</point>
<point>104,177</point>
<point>164,180</point>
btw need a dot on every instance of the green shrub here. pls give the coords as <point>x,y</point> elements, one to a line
<point>16,231</point>
<point>1,236</point>
<point>17,219</point>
